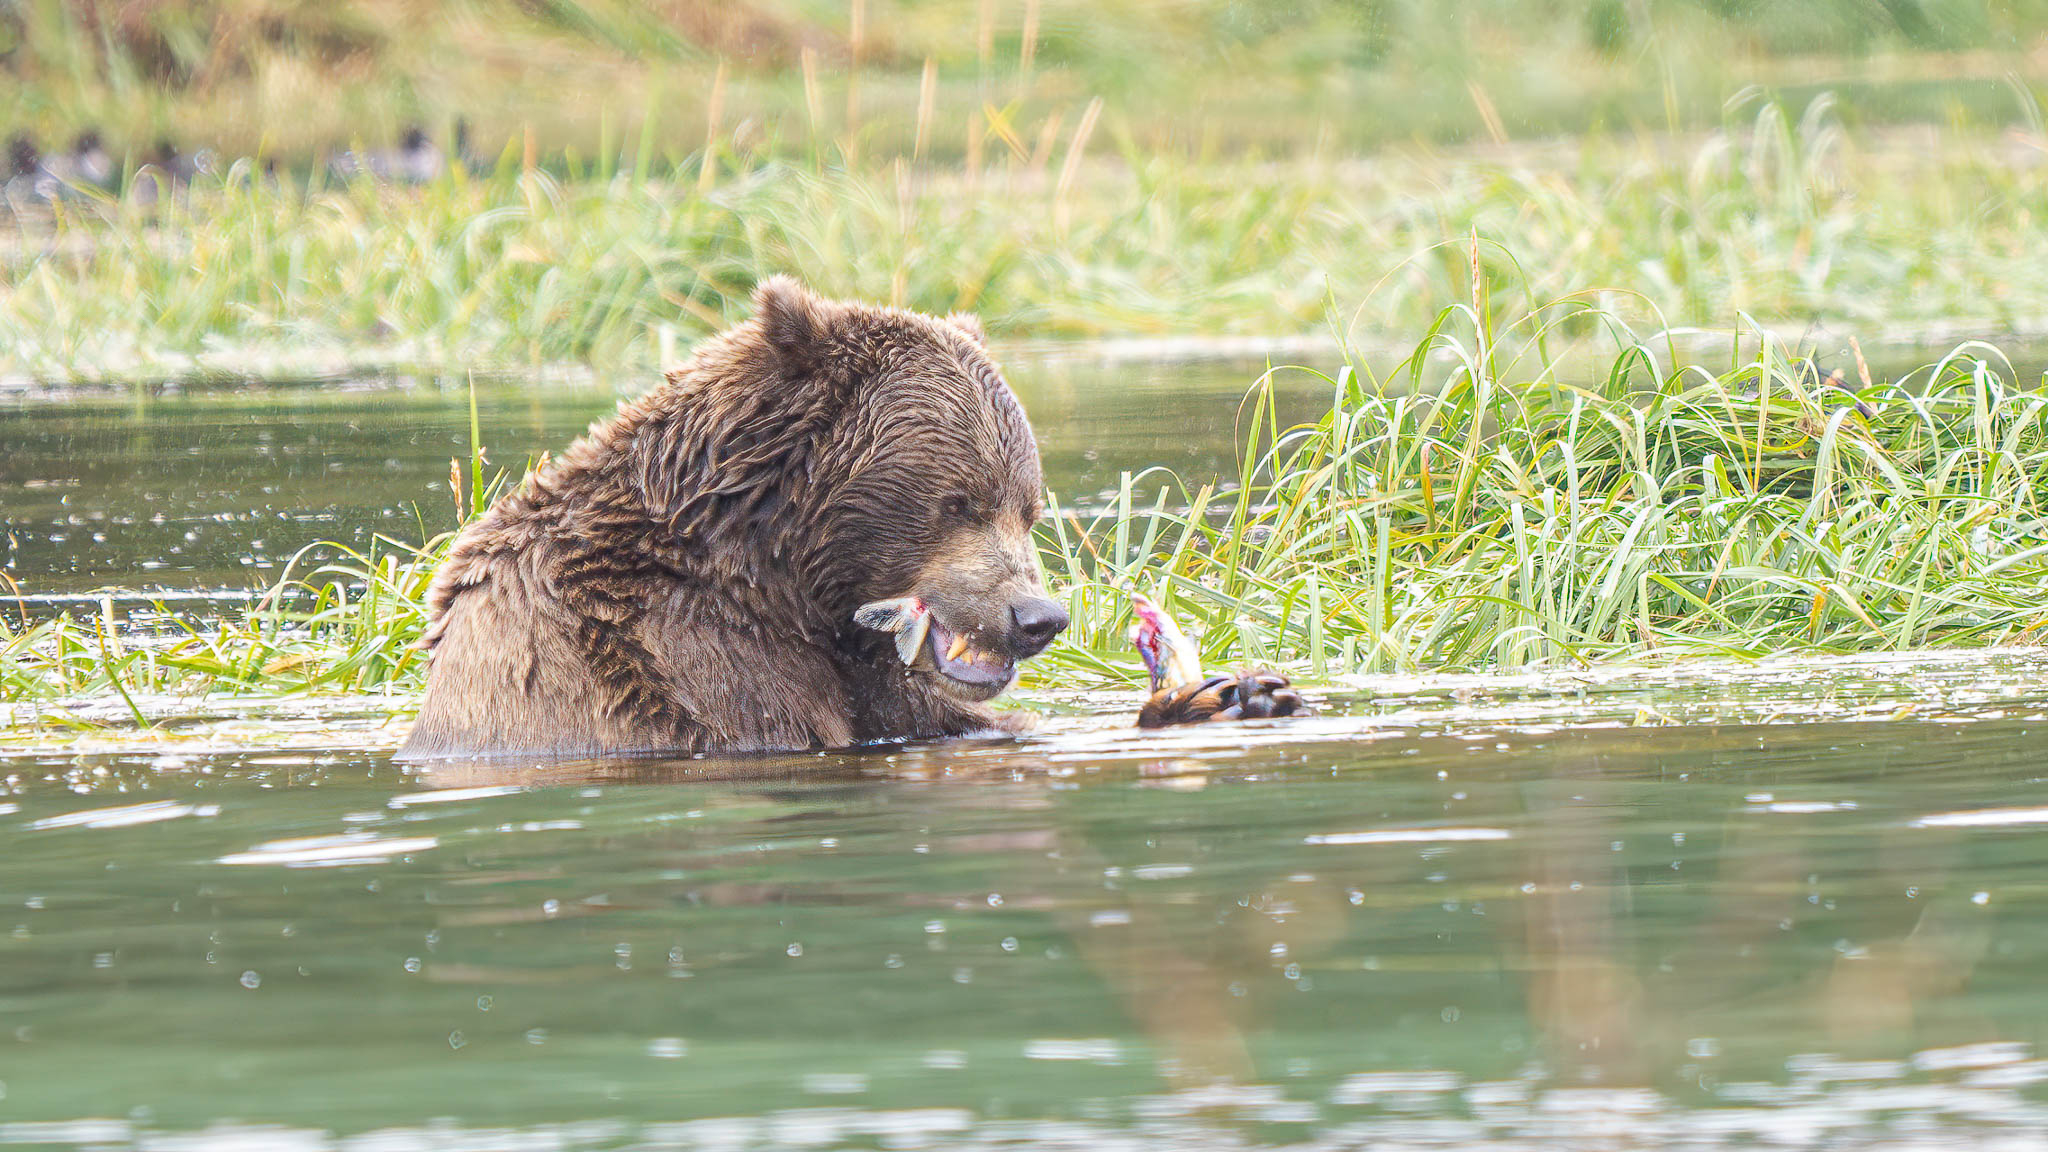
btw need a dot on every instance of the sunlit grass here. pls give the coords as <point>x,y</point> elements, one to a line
<point>1493,515</point>
<point>1467,506</point>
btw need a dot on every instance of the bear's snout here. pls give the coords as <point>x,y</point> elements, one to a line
<point>1033,624</point>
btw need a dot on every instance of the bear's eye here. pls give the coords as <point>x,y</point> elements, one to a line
<point>957,508</point>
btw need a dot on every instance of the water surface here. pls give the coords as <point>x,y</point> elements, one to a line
<point>1621,909</point>
<point>1790,905</point>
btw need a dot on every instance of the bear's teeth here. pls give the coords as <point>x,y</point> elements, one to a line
<point>959,646</point>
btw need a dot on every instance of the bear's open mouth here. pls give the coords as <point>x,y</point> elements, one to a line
<point>959,659</point>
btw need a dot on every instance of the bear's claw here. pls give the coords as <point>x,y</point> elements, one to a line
<point>1247,696</point>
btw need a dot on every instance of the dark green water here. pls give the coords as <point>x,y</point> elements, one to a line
<point>1438,917</point>
<point>214,489</point>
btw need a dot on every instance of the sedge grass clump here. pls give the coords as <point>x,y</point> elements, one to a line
<point>1469,510</point>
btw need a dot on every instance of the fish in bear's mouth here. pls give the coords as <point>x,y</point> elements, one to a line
<point>924,641</point>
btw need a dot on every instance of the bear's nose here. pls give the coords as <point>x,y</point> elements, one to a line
<point>1033,624</point>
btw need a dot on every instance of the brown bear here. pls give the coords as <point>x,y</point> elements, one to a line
<point>685,578</point>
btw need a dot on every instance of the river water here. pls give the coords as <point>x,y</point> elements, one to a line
<point>1791,905</point>
<point>216,488</point>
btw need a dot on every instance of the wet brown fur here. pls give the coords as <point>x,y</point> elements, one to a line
<point>683,578</point>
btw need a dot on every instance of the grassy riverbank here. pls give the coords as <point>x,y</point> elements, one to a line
<point>1461,507</point>
<point>1780,214</point>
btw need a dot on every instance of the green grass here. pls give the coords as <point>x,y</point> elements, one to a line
<point>295,80</point>
<point>1466,506</point>
<point>1780,214</point>
<point>1501,517</point>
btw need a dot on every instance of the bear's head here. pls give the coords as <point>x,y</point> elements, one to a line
<point>870,454</point>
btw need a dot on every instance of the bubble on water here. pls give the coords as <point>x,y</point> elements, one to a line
<point>995,899</point>
<point>1528,888</point>
<point>963,975</point>
<point>1981,898</point>
<point>894,961</point>
<point>1703,1047</point>
<point>1009,943</point>
<point>103,960</point>
<point>945,1059</point>
<point>1292,971</point>
<point>483,1003</point>
<point>550,907</point>
<point>795,948</point>
<point>668,1048</point>
<point>32,902</point>
<point>536,1036</point>
<point>1356,897</point>
<point>455,1039</point>
<point>251,980</point>
<point>412,963</point>
<point>1450,1014</point>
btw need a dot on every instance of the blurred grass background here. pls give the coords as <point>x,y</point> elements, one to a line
<point>1067,168</point>
<point>296,79</point>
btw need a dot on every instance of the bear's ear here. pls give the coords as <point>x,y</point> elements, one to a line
<point>792,320</point>
<point>969,323</point>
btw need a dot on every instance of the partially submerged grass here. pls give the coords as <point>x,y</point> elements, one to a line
<point>1467,506</point>
<point>346,626</point>
<point>1779,214</point>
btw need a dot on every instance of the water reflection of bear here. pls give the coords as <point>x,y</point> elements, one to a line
<point>1608,960</point>
<point>1244,909</point>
